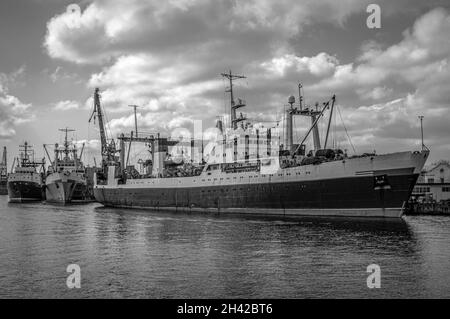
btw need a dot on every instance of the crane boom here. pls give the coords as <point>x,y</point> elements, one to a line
<point>98,113</point>
<point>108,150</point>
<point>3,163</point>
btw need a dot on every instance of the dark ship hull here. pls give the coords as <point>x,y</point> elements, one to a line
<point>3,188</point>
<point>377,187</point>
<point>339,197</point>
<point>21,191</point>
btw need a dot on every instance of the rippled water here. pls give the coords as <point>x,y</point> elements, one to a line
<point>135,254</point>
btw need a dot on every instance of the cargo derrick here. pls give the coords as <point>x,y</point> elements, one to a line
<point>108,150</point>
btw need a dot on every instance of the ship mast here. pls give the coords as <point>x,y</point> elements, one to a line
<point>25,157</point>
<point>329,122</point>
<point>135,118</point>
<point>231,77</point>
<point>315,117</point>
<point>25,160</point>
<point>66,150</point>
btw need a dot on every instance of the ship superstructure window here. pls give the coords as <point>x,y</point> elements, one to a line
<point>421,190</point>
<point>446,189</point>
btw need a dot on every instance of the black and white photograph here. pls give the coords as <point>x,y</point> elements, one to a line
<point>224,155</point>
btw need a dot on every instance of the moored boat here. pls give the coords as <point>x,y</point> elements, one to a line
<point>256,170</point>
<point>25,182</point>
<point>66,179</point>
<point>3,174</point>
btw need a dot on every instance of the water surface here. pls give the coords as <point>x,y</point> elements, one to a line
<point>141,254</point>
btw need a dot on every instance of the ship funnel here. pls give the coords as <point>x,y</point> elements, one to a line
<point>219,125</point>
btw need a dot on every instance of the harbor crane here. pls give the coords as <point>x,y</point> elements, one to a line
<point>108,150</point>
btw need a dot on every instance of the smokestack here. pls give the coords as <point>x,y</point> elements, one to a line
<point>219,125</point>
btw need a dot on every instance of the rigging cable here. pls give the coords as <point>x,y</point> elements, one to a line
<point>346,132</point>
<point>107,126</point>
<point>88,156</point>
<point>334,133</point>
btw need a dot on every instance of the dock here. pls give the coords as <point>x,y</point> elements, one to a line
<point>428,208</point>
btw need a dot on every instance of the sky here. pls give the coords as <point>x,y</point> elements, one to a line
<point>167,56</point>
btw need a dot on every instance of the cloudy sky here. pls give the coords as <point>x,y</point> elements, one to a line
<point>167,57</point>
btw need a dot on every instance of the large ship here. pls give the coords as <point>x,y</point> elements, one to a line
<point>251,169</point>
<point>3,174</point>
<point>25,182</point>
<point>66,179</point>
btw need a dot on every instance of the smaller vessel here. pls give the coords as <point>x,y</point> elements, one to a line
<point>3,174</point>
<point>66,180</point>
<point>25,182</point>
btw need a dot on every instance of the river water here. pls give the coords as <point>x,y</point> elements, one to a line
<point>141,254</point>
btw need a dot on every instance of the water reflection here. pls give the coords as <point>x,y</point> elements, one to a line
<point>267,256</point>
<point>137,253</point>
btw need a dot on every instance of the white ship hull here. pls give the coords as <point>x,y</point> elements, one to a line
<point>65,187</point>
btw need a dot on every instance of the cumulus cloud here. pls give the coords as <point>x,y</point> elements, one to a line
<point>167,57</point>
<point>66,105</point>
<point>404,80</point>
<point>107,29</point>
<point>59,74</point>
<point>319,65</point>
<point>378,93</point>
<point>92,147</point>
<point>422,55</point>
<point>13,111</point>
